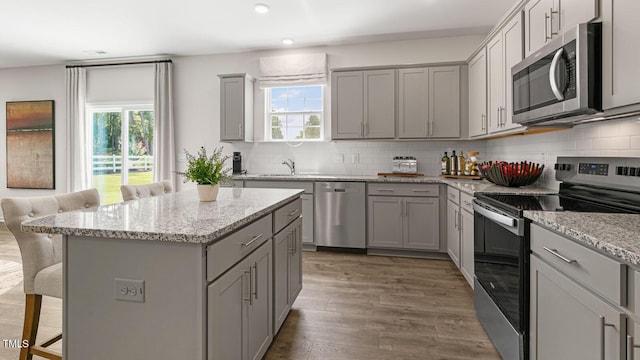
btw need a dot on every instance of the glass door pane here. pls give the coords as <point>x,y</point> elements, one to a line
<point>106,160</point>
<point>139,163</point>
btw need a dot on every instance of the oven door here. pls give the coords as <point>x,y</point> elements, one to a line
<point>501,260</point>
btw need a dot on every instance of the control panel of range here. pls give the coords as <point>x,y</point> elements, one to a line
<point>594,169</point>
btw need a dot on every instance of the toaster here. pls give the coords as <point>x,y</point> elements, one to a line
<point>405,165</point>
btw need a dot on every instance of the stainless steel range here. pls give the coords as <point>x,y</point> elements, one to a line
<point>501,243</point>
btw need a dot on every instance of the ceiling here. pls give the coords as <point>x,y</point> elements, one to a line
<point>37,32</point>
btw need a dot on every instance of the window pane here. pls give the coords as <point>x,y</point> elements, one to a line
<point>294,133</point>
<point>140,160</point>
<point>107,155</point>
<point>295,113</point>
<point>276,133</point>
<point>294,121</point>
<point>314,104</point>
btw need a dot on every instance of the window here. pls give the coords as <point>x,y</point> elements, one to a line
<point>294,113</point>
<point>121,148</point>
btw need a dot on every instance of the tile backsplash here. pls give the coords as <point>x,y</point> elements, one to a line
<point>607,138</point>
<point>347,157</point>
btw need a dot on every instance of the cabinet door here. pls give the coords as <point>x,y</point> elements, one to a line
<point>620,70</point>
<point>232,109</point>
<point>478,95</point>
<point>307,218</point>
<point>380,104</point>
<point>466,245</point>
<point>227,304</point>
<point>295,268</point>
<point>421,223</point>
<point>569,322</point>
<point>633,345</point>
<point>444,102</point>
<point>260,327</point>
<point>453,232</point>
<point>537,24</point>
<point>385,222</point>
<point>347,104</point>
<point>513,54</point>
<point>574,12</point>
<point>413,103</point>
<point>281,264</point>
<point>495,79</point>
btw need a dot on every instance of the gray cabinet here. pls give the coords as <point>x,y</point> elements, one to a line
<point>236,107</point>
<point>620,70</point>
<point>239,308</point>
<point>363,104</point>
<point>478,94</point>
<point>503,51</point>
<point>577,297</point>
<point>403,222</point>
<point>568,322</point>
<point>466,245</point>
<point>413,104</point>
<point>429,102</point>
<point>546,19</point>
<point>460,231</point>
<point>287,271</point>
<point>444,102</point>
<point>453,232</point>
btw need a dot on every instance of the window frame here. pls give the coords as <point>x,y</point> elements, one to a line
<point>123,109</point>
<point>268,113</point>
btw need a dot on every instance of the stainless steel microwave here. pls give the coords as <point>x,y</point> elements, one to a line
<point>561,80</point>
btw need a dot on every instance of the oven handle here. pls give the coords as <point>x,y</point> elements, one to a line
<point>552,75</point>
<point>499,218</point>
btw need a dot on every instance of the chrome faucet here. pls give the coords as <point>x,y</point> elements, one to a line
<point>291,164</point>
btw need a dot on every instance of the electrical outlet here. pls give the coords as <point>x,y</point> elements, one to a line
<point>129,290</point>
<point>339,158</point>
<point>355,158</point>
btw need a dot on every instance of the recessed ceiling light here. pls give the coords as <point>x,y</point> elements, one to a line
<point>261,8</point>
<point>287,41</point>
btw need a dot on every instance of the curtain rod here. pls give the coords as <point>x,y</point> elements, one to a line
<point>122,63</point>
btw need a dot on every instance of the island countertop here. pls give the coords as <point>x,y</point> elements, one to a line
<point>175,217</point>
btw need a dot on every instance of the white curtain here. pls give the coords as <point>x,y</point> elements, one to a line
<point>292,70</point>
<point>79,174</point>
<point>164,154</point>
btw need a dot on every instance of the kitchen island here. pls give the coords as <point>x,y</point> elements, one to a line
<point>170,277</point>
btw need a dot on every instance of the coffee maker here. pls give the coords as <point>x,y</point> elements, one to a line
<point>237,163</point>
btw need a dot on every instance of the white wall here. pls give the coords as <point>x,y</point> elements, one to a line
<point>610,138</point>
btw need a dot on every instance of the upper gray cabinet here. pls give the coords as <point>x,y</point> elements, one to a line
<point>478,94</point>
<point>363,104</point>
<point>546,19</point>
<point>236,107</point>
<point>429,102</point>
<point>620,57</point>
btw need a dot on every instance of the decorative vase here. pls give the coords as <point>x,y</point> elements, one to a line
<point>208,192</point>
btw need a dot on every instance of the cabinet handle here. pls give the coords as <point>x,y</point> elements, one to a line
<point>603,326</point>
<point>250,298</point>
<point>483,118</point>
<point>430,128</point>
<point>558,255</point>
<point>630,347</point>
<point>455,223</point>
<point>293,212</point>
<point>551,12</point>
<point>240,130</point>
<point>546,24</point>
<point>362,129</point>
<point>366,129</point>
<point>254,280</point>
<point>389,190</point>
<point>295,241</point>
<point>252,240</point>
<point>421,191</point>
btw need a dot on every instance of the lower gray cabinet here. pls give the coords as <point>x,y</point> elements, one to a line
<point>466,245</point>
<point>403,222</point>
<point>453,232</point>
<point>307,215</point>
<point>239,308</point>
<point>568,322</point>
<point>287,270</point>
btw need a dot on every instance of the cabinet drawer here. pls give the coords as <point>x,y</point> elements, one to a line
<point>228,251</point>
<point>287,214</point>
<point>603,275</point>
<point>453,194</point>
<point>404,189</point>
<point>466,202</point>
<point>307,186</point>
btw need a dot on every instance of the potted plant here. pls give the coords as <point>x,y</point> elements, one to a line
<point>206,171</point>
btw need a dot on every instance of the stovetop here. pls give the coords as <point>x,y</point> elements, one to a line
<point>516,204</point>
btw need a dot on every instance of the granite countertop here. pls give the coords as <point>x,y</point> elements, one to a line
<point>176,217</point>
<point>469,186</point>
<point>617,235</point>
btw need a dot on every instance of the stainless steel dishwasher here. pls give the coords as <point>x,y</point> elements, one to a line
<point>340,215</point>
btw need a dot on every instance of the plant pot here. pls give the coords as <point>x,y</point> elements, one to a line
<point>208,192</point>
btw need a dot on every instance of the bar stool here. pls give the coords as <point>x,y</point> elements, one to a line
<point>133,192</point>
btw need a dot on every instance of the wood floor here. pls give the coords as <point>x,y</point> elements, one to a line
<point>351,307</point>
